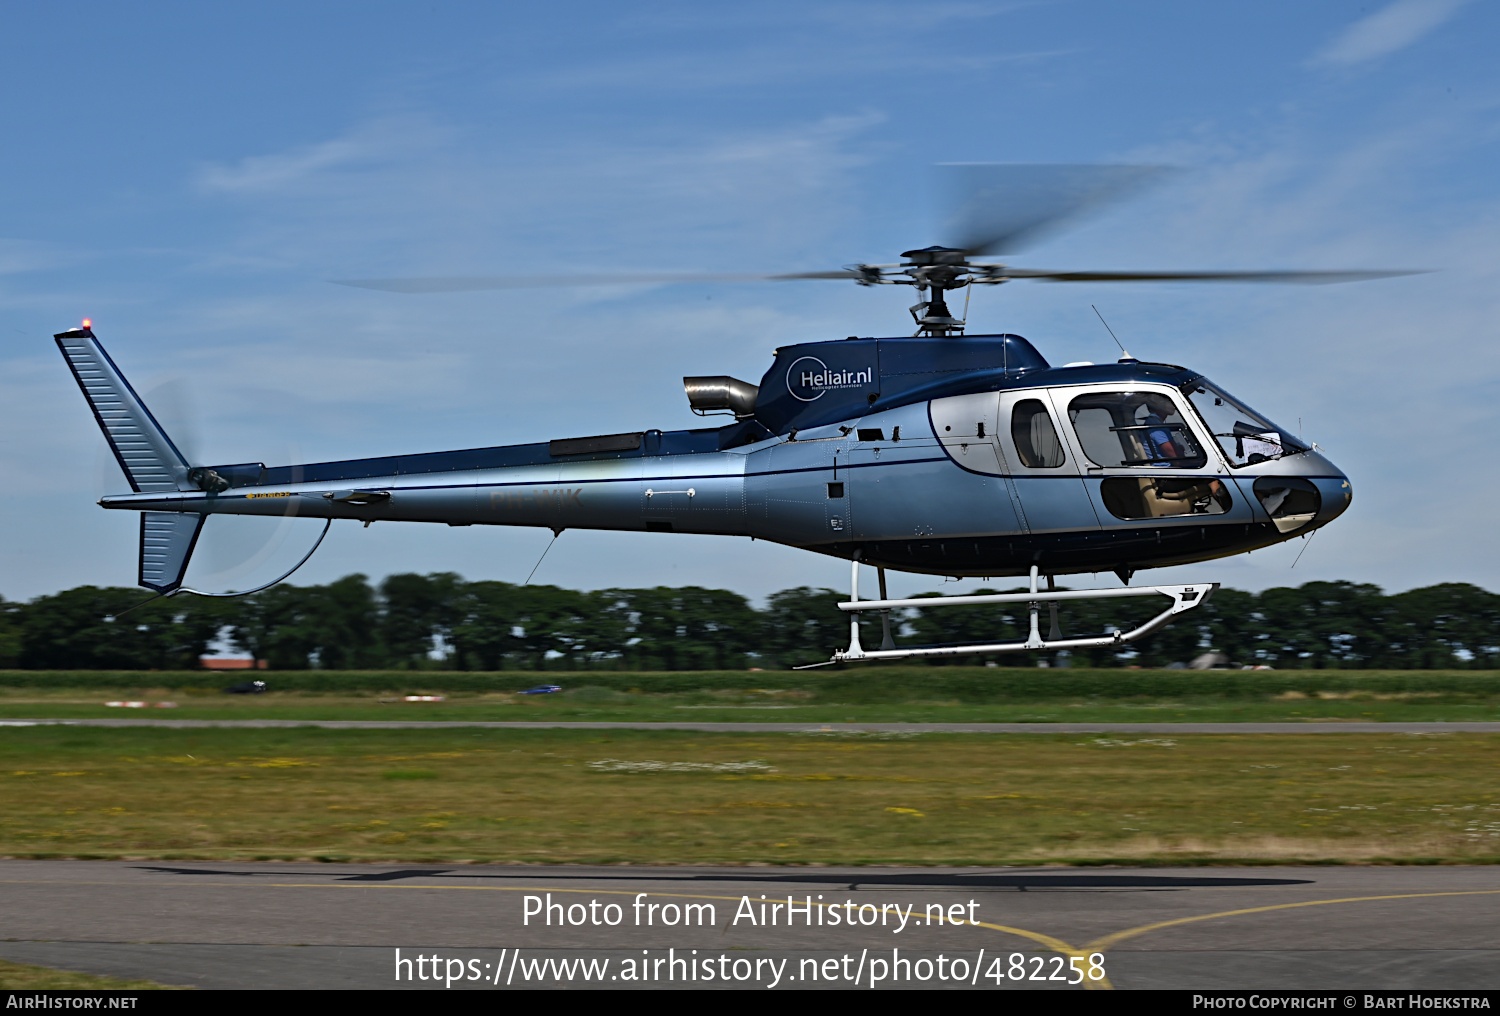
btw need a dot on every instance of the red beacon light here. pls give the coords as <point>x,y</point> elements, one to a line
<point>88,323</point>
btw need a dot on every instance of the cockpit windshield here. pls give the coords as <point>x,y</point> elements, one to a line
<point>1245,436</point>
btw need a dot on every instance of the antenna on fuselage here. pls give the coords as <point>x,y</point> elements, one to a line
<point>1125,356</point>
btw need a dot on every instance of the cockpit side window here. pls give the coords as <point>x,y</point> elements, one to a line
<point>1134,429</point>
<point>1245,435</point>
<point>1035,437</point>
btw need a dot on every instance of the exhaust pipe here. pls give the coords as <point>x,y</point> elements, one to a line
<point>719,393</point>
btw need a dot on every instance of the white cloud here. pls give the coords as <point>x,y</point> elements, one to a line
<point>30,255</point>
<point>805,61</point>
<point>1387,30</point>
<point>411,197</point>
<point>262,172</point>
<point>372,142</point>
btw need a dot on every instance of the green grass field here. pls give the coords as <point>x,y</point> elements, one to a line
<point>673,797</point>
<point>881,694</point>
<point>23,977</point>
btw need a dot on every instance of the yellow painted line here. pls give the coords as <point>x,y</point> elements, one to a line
<point>1108,941</point>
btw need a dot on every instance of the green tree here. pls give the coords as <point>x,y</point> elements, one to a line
<point>493,625</point>
<point>344,617</point>
<point>414,610</point>
<point>1450,625</point>
<point>482,634</point>
<point>273,626</point>
<point>295,627</point>
<point>549,619</point>
<point>804,625</point>
<point>680,629</point>
<point>11,615</point>
<point>1319,625</point>
<point>83,628</point>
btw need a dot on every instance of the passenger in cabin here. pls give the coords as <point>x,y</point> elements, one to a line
<point>1160,441</point>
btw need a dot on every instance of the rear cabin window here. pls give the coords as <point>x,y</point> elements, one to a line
<point>1035,437</point>
<point>1122,429</point>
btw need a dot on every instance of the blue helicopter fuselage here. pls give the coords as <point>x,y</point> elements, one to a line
<point>964,456</point>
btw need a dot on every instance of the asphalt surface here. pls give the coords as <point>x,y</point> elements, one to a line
<point>1311,727</point>
<point>259,925</point>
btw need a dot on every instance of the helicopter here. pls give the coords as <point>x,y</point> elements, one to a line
<point>938,452</point>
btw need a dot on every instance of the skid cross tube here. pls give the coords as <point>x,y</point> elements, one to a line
<point>1184,598</point>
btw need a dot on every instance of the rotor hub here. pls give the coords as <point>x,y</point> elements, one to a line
<point>936,255</point>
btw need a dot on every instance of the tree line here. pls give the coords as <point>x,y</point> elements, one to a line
<point>441,621</point>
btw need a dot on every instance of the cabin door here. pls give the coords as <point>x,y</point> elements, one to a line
<point>1045,473</point>
<point>1151,467</point>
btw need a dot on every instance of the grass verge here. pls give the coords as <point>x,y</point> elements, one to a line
<point>886,694</point>
<point>22,977</point>
<point>670,797</point>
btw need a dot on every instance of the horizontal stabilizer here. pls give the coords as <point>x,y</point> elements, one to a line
<point>167,541</point>
<point>150,460</point>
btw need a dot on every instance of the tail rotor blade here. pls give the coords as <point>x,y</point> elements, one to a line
<point>238,551</point>
<point>234,551</point>
<point>172,403</point>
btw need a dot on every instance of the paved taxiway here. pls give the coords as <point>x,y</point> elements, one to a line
<point>310,925</point>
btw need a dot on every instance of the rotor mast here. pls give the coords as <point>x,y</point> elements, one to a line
<point>934,271</point>
<point>939,269</point>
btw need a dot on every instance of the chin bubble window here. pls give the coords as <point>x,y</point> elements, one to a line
<point>1245,436</point>
<point>1159,497</point>
<point>1134,429</point>
<point>1035,437</point>
<point>1290,501</point>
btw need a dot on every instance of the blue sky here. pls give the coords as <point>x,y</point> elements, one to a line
<point>190,175</point>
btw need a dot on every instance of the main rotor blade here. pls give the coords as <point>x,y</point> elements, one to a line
<point>999,209</point>
<point>473,283</point>
<point>1295,278</point>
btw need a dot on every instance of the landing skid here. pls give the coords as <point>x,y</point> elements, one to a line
<point>1184,598</point>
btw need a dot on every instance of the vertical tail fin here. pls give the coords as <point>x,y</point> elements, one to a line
<point>147,455</point>
<point>167,541</point>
